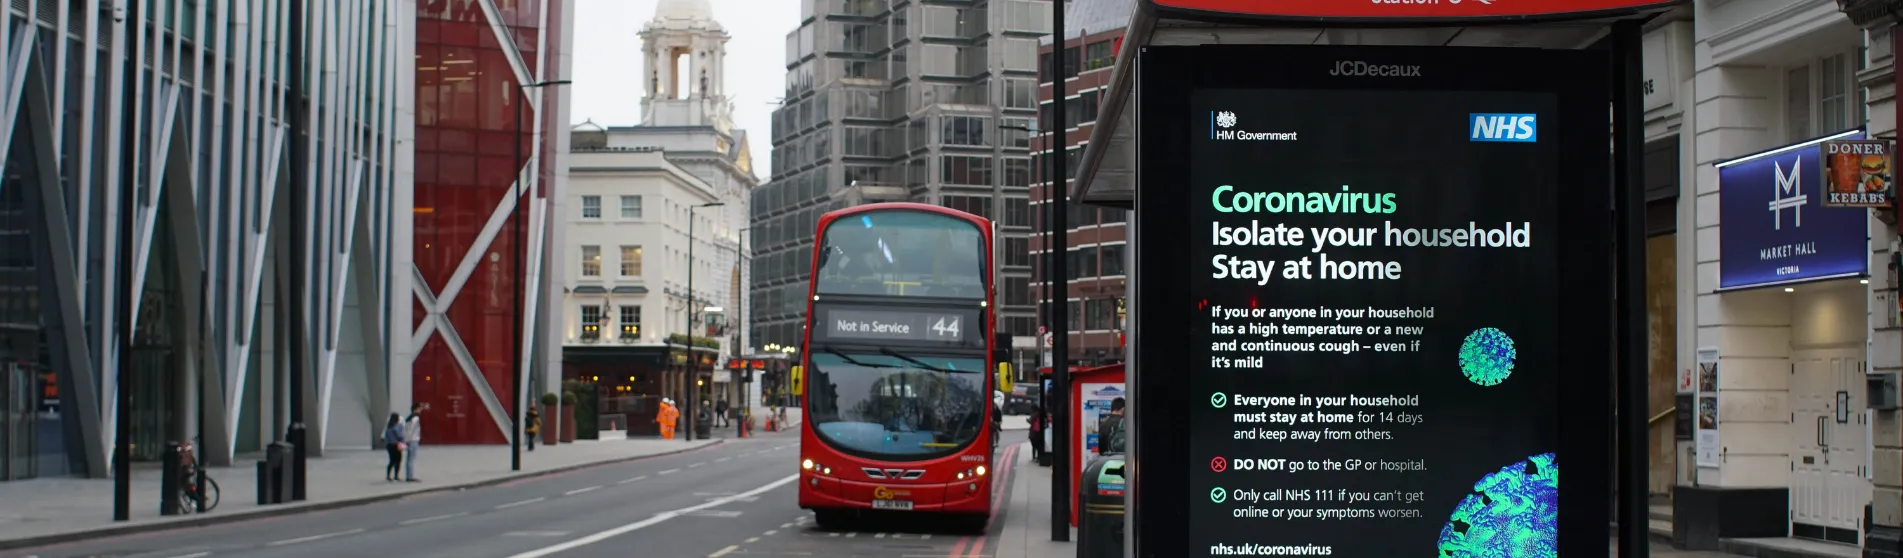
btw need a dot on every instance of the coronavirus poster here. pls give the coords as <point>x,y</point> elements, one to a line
<point>1380,337</point>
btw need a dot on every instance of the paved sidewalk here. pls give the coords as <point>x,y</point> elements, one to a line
<point>1027,521</point>
<point>53,510</point>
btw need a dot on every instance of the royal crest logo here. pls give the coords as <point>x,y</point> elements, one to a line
<point>1226,119</point>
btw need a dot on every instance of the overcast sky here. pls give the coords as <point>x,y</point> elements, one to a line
<point>608,64</point>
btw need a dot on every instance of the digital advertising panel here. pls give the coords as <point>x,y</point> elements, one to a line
<point>1372,301</point>
<point>1405,10</point>
<point>1780,223</point>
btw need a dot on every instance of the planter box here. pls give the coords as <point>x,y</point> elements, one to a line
<point>548,433</point>
<point>568,424</point>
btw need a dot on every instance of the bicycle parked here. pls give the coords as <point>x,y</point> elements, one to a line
<point>189,497</point>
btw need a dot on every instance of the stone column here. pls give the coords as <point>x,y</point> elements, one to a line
<point>1883,536</point>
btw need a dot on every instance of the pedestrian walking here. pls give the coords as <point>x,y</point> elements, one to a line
<point>665,417</point>
<point>533,426</point>
<point>1037,434</point>
<point>412,437</point>
<point>720,413</point>
<point>393,444</point>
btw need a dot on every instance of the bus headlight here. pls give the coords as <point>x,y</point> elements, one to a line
<point>807,464</point>
<point>981,470</point>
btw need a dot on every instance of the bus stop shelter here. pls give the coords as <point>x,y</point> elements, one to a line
<point>1153,151</point>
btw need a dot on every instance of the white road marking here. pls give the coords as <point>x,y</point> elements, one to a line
<point>636,479</point>
<point>314,537</point>
<point>770,532</point>
<point>697,464</point>
<point>722,459</point>
<point>879,536</point>
<point>544,534</point>
<point>521,503</point>
<point>582,490</point>
<point>927,536</point>
<point>723,551</point>
<point>714,513</point>
<point>852,535</point>
<point>429,519</point>
<point>670,471</point>
<point>192,555</point>
<point>786,526</point>
<point>645,523</point>
<point>751,540</point>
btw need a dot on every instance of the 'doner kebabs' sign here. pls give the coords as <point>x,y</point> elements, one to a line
<point>1857,173</point>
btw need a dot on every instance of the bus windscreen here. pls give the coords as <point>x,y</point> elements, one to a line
<point>894,406</point>
<point>902,253</point>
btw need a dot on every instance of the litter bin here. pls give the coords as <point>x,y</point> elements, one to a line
<point>1100,525</point>
<point>274,474</point>
<point>704,426</point>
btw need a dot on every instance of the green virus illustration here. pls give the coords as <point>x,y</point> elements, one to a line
<point>1512,513</point>
<point>1486,357</point>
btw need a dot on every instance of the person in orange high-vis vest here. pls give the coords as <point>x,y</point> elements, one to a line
<point>666,416</point>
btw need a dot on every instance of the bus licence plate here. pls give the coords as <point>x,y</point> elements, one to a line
<point>891,504</point>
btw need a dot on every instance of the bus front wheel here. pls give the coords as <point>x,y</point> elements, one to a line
<point>971,523</point>
<point>830,520</point>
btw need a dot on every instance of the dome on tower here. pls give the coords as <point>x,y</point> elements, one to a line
<point>684,9</point>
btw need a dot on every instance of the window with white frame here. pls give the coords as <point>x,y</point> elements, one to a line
<point>1823,97</point>
<point>591,261</point>
<point>630,321</point>
<point>591,207</point>
<point>630,207</point>
<point>591,321</point>
<point>630,261</point>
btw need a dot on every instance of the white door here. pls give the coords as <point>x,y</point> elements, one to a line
<point>1828,488</point>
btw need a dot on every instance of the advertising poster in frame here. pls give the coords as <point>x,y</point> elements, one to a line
<point>1707,443</point>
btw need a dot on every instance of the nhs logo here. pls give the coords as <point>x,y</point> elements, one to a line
<point>1521,128</point>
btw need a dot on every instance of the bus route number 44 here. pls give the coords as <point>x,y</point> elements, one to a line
<point>946,327</point>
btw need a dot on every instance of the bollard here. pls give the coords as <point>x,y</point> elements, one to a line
<point>171,475</point>
<point>294,476</point>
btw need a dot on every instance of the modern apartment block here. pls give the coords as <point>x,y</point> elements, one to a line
<point>1095,253</point>
<point>929,101</point>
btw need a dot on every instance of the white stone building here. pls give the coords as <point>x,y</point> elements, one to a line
<point>1788,342</point>
<point>656,211</point>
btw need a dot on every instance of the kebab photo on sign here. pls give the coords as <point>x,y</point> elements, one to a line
<point>1857,173</point>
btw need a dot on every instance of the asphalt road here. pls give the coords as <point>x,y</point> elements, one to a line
<point>736,499</point>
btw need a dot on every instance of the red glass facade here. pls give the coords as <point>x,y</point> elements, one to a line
<point>468,102</point>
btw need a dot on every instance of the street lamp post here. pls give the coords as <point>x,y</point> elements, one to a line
<point>692,385</point>
<point>518,252</point>
<point>1059,316</point>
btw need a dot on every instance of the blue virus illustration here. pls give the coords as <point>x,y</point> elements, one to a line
<point>1512,513</point>
<point>1486,357</point>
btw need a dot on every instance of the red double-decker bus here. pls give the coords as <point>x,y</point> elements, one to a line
<point>896,367</point>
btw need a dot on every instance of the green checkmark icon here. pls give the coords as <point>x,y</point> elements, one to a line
<point>1217,495</point>
<point>1218,400</point>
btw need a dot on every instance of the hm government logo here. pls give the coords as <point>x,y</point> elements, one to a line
<point>1788,193</point>
<point>1222,125</point>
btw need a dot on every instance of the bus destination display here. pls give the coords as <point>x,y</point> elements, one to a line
<point>873,325</point>
<point>1376,304</point>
